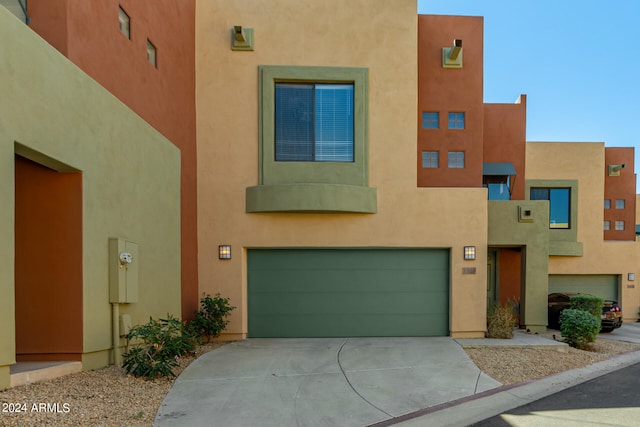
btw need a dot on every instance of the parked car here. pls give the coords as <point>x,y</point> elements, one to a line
<point>611,317</point>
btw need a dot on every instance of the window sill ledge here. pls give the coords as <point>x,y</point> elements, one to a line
<point>311,198</point>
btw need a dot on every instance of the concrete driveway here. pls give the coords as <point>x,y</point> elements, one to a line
<point>628,332</point>
<point>320,382</point>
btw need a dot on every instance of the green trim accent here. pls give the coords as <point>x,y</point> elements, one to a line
<point>5,377</point>
<point>351,173</point>
<point>312,186</point>
<point>311,198</point>
<point>43,159</point>
<point>565,248</point>
<point>556,234</point>
<point>506,230</point>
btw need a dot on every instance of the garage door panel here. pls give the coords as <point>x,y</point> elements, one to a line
<point>349,259</point>
<point>346,281</point>
<point>348,292</point>
<point>601,285</point>
<point>346,303</point>
<point>345,325</point>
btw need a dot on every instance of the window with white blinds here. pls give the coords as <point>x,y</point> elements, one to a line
<point>314,122</point>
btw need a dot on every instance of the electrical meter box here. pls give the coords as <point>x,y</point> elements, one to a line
<point>123,271</point>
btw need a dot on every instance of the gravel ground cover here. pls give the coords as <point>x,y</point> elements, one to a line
<point>108,397</point>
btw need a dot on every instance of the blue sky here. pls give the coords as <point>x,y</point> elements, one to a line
<point>577,62</point>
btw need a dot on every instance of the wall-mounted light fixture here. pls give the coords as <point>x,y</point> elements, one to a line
<point>469,253</point>
<point>631,276</point>
<point>614,170</point>
<point>224,252</point>
<point>241,38</point>
<point>452,56</point>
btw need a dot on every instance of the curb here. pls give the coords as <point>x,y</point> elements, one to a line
<point>478,407</point>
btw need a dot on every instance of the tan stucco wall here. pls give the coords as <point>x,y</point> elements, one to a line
<point>378,35</point>
<point>585,162</point>
<point>131,181</point>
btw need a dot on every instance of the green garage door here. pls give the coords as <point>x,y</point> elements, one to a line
<point>348,292</point>
<point>601,285</point>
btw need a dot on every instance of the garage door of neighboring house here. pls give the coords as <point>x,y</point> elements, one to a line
<point>348,292</point>
<point>601,285</point>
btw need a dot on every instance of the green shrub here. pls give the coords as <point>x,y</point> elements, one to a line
<point>156,346</point>
<point>578,327</point>
<point>501,319</point>
<point>587,303</point>
<point>211,319</point>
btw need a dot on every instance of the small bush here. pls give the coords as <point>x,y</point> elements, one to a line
<point>578,327</point>
<point>211,319</point>
<point>501,319</point>
<point>587,303</point>
<point>156,346</point>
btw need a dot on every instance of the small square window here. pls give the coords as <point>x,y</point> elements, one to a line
<point>620,204</point>
<point>456,120</point>
<point>124,22</point>
<point>456,159</point>
<point>429,159</point>
<point>151,54</point>
<point>619,225</point>
<point>430,120</point>
<point>607,225</point>
<point>607,204</point>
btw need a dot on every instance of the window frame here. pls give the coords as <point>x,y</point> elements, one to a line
<point>607,225</point>
<point>620,203</point>
<point>607,203</point>
<point>313,147</point>
<point>619,225</point>
<point>561,235</point>
<point>427,161</point>
<point>432,118</point>
<point>272,172</point>
<point>456,120</point>
<point>123,14</point>
<point>152,53</point>
<point>456,160</point>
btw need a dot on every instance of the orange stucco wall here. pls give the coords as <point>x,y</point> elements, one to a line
<point>87,32</point>
<point>48,263</point>
<point>450,90</point>
<point>49,20</point>
<point>505,139</point>
<point>621,187</point>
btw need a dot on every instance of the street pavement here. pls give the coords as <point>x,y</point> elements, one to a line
<point>610,400</point>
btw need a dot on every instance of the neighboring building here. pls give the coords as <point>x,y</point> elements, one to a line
<point>143,52</point>
<point>78,168</point>
<point>543,229</point>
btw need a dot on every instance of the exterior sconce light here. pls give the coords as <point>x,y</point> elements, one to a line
<point>452,56</point>
<point>241,38</point>
<point>224,252</point>
<point>469,253</point>
<point>614,170</point>
<point>631,277</point>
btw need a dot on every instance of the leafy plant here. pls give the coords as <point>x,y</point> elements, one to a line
<point>578,327</point>
<point>156,346</point>
<point>211,319</point>
<point>501,319</point>
<point>587,303</point>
